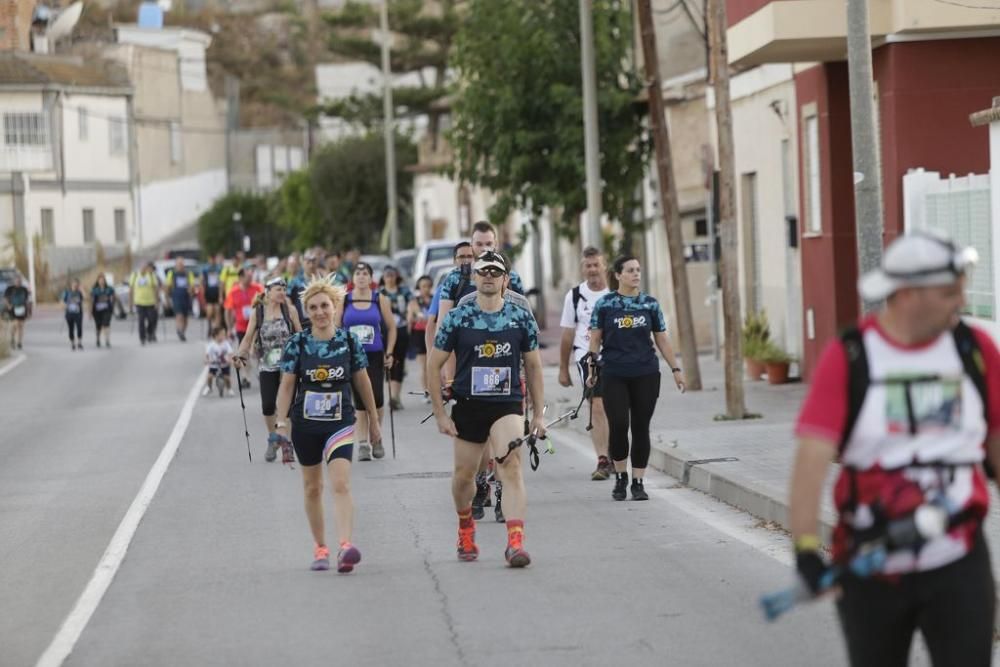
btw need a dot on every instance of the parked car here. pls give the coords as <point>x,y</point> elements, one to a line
<point>192,253</point>
<point>433,251</point>
<point>438,269</point>
<point>405,261</point>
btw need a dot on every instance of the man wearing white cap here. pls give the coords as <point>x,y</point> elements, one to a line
<point>909,403</point>
<point>490,338</point>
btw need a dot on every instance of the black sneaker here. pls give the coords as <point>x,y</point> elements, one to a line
<point>638,491</point>
<point>621,486</point>
<point>498,512</point>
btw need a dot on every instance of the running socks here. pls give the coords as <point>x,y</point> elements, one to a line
<point>467,549</point>
<point>515,554</point>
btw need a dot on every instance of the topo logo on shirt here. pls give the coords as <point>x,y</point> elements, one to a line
<point>493,350</point>
<point>324,374</point>
<point>631,321</point>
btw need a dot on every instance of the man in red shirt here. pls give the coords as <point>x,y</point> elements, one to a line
<point>239,302</point>
<point>909,403</point>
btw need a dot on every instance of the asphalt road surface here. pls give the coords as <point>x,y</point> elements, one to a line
<point>217,571</point>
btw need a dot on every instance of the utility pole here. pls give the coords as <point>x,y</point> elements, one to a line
<point>864,142</point>
<point>592,152</point>
<point>668,198</point>
<point>719,71</point>
<point>389,130</point>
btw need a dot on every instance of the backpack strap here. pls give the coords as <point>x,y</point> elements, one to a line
<point>858,379</point>
<point>577,296</point>
<point>974,366</point>
<point>260,321</point>
<point>286,316</point>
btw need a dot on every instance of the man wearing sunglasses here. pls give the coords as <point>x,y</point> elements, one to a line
<point>490,338</point>
<point>909,403</point>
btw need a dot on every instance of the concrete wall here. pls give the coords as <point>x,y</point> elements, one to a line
<point>15,24</point>
<point>763,118</point>
<point>90,158</point>
<point>244,155</point>
<point>168,205</point>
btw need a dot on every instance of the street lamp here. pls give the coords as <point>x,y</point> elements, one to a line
<point>241,239</point>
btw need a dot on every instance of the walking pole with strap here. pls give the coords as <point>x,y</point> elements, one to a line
<point>532,438</point>
<point>446,396</point>
<point>246,429</point>
<point>392,412</point>
<point>588,392</point>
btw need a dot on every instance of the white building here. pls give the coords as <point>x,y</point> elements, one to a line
<point>180,128</point>
<point>65,161</point>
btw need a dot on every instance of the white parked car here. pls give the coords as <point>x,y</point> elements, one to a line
<point>433,251</point>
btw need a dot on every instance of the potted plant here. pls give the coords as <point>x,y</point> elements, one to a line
<point>756,337</point>
<point>776,362</point>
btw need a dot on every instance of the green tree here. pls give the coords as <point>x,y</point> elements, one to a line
<point>518,107</point>
<point>423,33</point>
<point>296,209</point>
<point>348,186</point>
<point>220,231</point>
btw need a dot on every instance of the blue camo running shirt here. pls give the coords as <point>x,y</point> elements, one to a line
<point>626,323</point>
<point>324,369</point>
<point>488,349</point>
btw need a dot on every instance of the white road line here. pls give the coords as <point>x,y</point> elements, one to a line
<point>64,641</point>
<point>12,364</point>
<point>709,511</point>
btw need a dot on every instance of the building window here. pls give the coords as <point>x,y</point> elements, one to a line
<point>701,227</point>
<point>48,226</point>
<point>81,116</point>
<point>176,148</point>
<point>116,136</point>
<point>119,225</point>
<point>88,225</point>
<point>814,196</point>
<point>25,129</point>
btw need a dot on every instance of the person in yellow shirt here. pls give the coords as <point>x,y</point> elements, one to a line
<point>143,294</point>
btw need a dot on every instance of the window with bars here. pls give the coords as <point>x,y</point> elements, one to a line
<point>25,129</point>
<point>48,226</point>
<point>116,136</point>
<point>119,225</point>
<point>89,233</point>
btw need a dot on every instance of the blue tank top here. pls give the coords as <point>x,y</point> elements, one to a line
<point>366,323</point>
<point>323,369</point>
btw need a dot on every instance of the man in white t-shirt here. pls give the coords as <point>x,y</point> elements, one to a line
<point>575,321</point>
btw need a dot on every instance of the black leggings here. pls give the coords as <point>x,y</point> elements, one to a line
<point>952,607</point>
<point>399,354</point>
<point>630,400</point>
<point>269,381</point>
<point>75,323</point>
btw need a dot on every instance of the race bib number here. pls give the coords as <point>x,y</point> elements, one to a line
<point>212,280</point>
<point>272,358</point>
<point>365,333</point>
<point>246,312</point>
<point>72,307</point>
<point>181,282</point>
<point>101,305</point>
<point>490,381</point>
<point>19,311</point>
<point>322,406</point>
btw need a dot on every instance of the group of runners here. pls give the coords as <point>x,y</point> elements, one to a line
<point>478,350</point>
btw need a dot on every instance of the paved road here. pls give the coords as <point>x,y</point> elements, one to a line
<point>217,573</point>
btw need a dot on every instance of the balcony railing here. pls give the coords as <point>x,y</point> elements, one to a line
<point>25,158</point>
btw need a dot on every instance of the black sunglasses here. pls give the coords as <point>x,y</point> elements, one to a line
<point>492,272</point>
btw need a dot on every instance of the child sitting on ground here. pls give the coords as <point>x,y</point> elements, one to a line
<point>218,352</point>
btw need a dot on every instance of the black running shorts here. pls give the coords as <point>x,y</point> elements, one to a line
<point>474,418</point>
<point>310,448</point>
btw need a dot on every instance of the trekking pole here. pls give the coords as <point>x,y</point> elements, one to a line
<point>246,429</point>
<point>392,412</point>
<point>532,438</point>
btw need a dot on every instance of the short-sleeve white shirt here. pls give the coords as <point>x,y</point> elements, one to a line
<point>580,323</point>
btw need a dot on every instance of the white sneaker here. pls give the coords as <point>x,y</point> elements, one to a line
<point>230,393</point>
<point>205,391</point>
<point>364,452</point>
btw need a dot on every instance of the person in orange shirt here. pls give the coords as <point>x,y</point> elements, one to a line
<point>239,302</point>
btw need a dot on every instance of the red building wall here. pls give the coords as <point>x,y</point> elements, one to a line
<point>926,92</point>
<point>829,259</point>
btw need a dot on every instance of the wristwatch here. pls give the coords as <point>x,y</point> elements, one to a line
<point>281,424</point>
<point>675,370</point>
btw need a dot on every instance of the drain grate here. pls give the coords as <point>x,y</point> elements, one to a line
<point>424,475</point>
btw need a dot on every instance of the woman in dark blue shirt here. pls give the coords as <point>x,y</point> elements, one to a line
<point>624,326</point>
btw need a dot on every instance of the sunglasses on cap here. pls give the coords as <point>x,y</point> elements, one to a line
<point>276,282</point>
